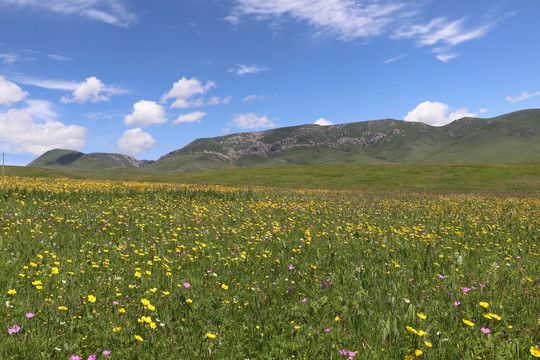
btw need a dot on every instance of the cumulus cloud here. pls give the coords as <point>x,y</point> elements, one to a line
<point>524,96</point>
<point>112,12</point>
<point>10,93</point>
<point>245,69</point>
<point>135,142</point>
<point>251,121</point>
<point>184,90</point>
<point>146,113</point>
<point>92,89</point>
<point>436,114</point>
<point>24,132</point>
<point>195,116</point>
<point>323,122</point>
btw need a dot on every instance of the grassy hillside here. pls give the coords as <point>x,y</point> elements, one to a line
<point>74,160</point>
<point>508,139</point>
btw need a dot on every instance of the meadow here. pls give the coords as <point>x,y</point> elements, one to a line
<point>131,270</point>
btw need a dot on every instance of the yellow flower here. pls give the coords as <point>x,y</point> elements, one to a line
<point>210,335</point>
<point>422,333</point>
<point>483,304</point>
<point>468,322</point>
<point>428,344</point>
<point>535,351</point>
<point>12,292</point>
<point>92,298</point>
<point>189,301</point>
<point>145,302</point>
<point>337,319</point>
<point>137,274</point>
<point>62,308</point>
<point>495,316</point>
<point>117,329</point>
<point>122,310</point>
<point>137,337</point>
<point>153,325</point>
<point>409,357</point>
<point>54,270</point>
<point>421,316</point>
<point>418,352</point>
<point>224,287</point>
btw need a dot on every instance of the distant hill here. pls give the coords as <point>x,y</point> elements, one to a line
<point>506,139</point>
<point>73,160</point>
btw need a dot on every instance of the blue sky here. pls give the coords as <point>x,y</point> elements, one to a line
<point>148,77</point>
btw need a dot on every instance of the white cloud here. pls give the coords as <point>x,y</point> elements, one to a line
<point>446,57</point>
<point>323,122</point>
<point>184,89</point>
<point>22,133</point>
<point>10,92</point>
<point>245,69</point>
<point>395,58</point>
<point>443,33</point>
<point>135,142</point>
<point>346,19</point>
<point>41,109</point>
<point>195,116</point>
<point>146,113</point>
<point>111,11</point>
<point>9,58</point>
<point>352,19</point>
<point>435,114</point>
<point>524,96</point>
<point>483,110</point>
<point>252,98</point>
<point>216,100</point>
<point>89,90</point>
<point>251,121</point>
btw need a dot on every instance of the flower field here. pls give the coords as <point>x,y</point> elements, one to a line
<point>125,270</point>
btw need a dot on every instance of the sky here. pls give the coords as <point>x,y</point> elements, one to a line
<point>145,78</point>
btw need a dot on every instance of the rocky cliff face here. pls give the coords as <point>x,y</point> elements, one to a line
<point>267,144</point>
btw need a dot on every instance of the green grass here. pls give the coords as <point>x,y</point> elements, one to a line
<point>411,178</point>
<point>171,271</point>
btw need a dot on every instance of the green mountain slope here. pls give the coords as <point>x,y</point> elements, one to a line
<point>506,139</point>
<point>510,138</point>
<point>73,160</point>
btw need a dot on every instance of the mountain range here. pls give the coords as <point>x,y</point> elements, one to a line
<point>506,139</point>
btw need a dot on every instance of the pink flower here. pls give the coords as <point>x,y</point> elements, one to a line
<point>343,352</point>
<point>106,352</point>
<point>466,289</point>
<point>75,357</point>
<point>115,302</point>
<point>328,330</point>
<point>30,315</point>
<point>187,285</point>
<point>92,357</point>
<point>441,276</point>
<point>291,267</point>
<point>457,303</point>
<point>482,285</point>
<point>304,299</point>
<point>485,330</point>
<point>14,329</point>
